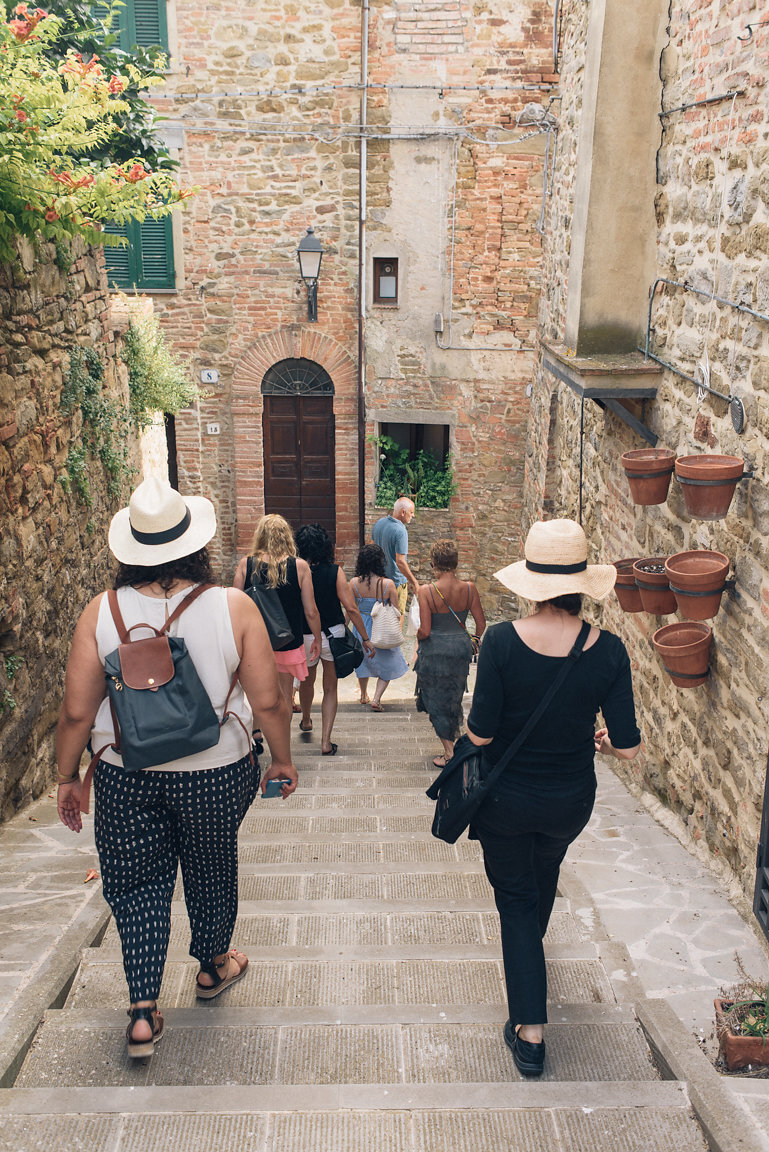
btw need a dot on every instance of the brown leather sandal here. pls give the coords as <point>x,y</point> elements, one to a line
<point>150,1013</point>
<point>208,991</point>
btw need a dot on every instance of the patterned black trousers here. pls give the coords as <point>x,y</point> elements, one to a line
<point>146,825</point>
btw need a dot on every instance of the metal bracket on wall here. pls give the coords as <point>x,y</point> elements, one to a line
<point>632,421</point>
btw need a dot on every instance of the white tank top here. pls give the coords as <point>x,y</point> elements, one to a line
<point>207,631</point>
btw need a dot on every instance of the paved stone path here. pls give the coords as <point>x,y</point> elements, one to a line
<point>373,1009</point>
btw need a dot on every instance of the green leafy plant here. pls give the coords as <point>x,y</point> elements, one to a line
<point>158,381</point>
<point>58,121</point>
<point>12,663</point>
<point>7,702</point>
<point>430,483</point>
<point>106,428</point>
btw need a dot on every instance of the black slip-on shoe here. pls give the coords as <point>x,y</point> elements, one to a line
<point>529,1058</point>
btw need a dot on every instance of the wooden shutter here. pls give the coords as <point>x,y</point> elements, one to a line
<point>147,263</point>
<point>148,23</point>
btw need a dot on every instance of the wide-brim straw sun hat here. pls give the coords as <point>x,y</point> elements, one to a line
<point>160,525</point>
<point>556,564</point>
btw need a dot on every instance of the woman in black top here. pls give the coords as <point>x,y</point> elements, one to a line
<point>545,796</point>
<point>273,562</point>
<point>333,598</point>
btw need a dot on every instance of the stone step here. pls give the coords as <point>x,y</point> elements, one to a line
<point>226,1046</point>
<point>278,981</point>
<point>376,929</point>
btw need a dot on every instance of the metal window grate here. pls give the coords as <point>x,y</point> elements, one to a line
<point>297,378</point>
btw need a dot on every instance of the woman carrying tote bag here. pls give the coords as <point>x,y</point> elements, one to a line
<point>370,586</point>
<point>544,796</point>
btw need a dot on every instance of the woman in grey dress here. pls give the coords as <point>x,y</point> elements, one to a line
<point>445,647</point>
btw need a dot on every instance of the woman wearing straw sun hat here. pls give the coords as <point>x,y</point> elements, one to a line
<point>544,797</point>
<point>186,811</point>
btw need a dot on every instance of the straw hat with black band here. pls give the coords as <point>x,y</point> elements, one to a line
<point>159,525</point>
<point>556,564</point>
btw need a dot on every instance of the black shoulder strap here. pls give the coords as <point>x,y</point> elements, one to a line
<point>511,750</point>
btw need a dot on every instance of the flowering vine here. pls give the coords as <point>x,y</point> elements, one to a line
<point>55,116</point>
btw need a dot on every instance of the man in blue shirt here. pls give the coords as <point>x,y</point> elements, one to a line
<point>391,536</point>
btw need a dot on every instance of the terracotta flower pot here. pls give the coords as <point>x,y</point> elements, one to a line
<point>648,471</point>
<point>652,582</point>
<point>626,589</point>
<point>739,1051</point>
<point>684,648</point>
<point>697,581</point>
<point>708,484</point>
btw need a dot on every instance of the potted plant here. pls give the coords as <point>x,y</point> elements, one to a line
<point>653,584</point>
<point>648,471</point>
<point>742,1027</point>
<point>708,484</point>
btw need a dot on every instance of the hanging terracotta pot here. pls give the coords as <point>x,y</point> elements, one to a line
<point>697,582</point>
<point>626,589</point>
<point>652,582</point>
<point>708,484</point>
<point>684,648</point>
<point>648,471</point>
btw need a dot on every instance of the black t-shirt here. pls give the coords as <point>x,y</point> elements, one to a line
<point>511,680</point>
<point>326,599</point>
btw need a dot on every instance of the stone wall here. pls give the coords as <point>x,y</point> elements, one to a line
<point>705,749</point>
<point>53,554</point>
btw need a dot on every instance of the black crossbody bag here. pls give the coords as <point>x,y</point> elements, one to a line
<point>461,787</point>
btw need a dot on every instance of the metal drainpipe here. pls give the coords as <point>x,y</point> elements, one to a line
<point>362,274</point>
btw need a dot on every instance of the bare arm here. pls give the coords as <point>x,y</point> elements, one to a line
<point>240,574</point>
<point>402,566</point>
<point>308,603</point>
<point>604,745</point>
<point>347,600</point>
<point>391,592</point>
<point>258,673</point>
<point>479,740</point>
<point>477,610</point>
<point>425,613</point>
<point>84,689</point>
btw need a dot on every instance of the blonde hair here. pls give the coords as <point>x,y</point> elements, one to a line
<point>273,538</point>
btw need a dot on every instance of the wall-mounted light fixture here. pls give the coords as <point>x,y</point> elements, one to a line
<point>310,255</point>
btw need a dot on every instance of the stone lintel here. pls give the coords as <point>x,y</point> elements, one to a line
<point>619,376</point>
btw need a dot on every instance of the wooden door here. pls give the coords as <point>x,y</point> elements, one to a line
<point>299,459</point>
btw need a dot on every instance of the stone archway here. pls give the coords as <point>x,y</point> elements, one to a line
<point>298,342</point>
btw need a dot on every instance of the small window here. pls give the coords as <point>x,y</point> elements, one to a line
<point>385,281</point>
<point>414,461</point>
<point>146,264</point>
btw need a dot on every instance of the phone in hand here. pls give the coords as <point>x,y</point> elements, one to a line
<point>273,789</point>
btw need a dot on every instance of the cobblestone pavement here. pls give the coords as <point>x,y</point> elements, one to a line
<point>373,1007</point>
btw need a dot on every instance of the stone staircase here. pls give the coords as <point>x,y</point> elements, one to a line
<point>372,1013</point>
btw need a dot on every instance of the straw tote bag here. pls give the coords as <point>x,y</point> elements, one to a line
<point>385,624</point>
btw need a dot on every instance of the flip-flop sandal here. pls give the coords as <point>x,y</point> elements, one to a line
<point>331,751</point>
<point>376,707</point>
<point>207,992</point>
<point>302,727</point>
<point>440,761</point>
<point>296,707</point>
<point>138,1048</point>
<point>365,700</point>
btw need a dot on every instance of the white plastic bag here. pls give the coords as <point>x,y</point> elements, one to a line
<point>412,622</point>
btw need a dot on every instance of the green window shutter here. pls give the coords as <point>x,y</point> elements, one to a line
<point>147,263</point>
<point>148,22</point>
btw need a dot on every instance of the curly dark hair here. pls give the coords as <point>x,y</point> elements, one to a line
<point>370,562</point>
<point>314,545</point>
<point>195,567</point>
<point>570,602</point>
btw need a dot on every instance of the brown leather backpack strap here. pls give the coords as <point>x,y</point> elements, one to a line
<point>117,616</point>
<point>188,599</point>
<point>227,713</point>
<point>85,787</point>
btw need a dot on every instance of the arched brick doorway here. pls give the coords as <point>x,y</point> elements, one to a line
<point>298,439</point>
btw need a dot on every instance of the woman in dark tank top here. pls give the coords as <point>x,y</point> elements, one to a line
<point>333,598</point>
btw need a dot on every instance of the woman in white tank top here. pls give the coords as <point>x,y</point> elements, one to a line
<point>184,812</point>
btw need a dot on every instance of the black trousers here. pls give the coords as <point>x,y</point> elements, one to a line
<point>145,826</point>
<point>524,837</point>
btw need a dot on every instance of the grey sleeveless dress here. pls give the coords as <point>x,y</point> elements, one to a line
<point>442,665</point>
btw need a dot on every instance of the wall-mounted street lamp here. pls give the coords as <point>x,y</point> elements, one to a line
<point>310,255</point>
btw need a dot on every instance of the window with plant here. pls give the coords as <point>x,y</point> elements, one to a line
<point>419,474</point>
